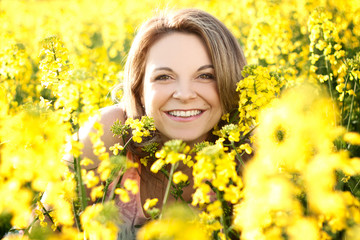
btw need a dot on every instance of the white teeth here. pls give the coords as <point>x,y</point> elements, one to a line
<point>185,113</point>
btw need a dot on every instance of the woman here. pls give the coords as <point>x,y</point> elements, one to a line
<point>182,71</point>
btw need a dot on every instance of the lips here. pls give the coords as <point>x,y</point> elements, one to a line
<point>185,113</point>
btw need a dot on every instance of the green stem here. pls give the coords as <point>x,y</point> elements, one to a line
<point>27,230</point>
<point>237,154</point>
<point>76,217</point>
<point>167,191</point>
<point>107,184</point>
<point>125,145</point>
<point>255,86</point>
<point>330,87</point>
<point>236,115</point>
<point>351,108</point>
<point>82,192</point>
<point>51,219</point>
<point>172,183</point>
<point>353,190</point>
<point>223,219</point>
<point>117,180</point>
<point>343,103</point>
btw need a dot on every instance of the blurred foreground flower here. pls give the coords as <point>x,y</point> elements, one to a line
<point>292,178</point>
<point>101,221</point>
<point>178,223</point>
<point>31,148</point>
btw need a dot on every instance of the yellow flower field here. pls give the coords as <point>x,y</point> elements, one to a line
<point>299,116</point>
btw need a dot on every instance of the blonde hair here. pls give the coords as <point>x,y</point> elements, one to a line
<point>226,54</point>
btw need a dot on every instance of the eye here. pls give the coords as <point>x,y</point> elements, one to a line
<point>206,76</point>
<point>163,77</point>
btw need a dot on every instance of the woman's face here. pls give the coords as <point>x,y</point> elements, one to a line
<point>180,89</point>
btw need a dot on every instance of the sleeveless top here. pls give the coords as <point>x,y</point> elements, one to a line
<point>150,185</point>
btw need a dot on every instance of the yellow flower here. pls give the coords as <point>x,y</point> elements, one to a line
<point>131,185</point>
<point>176,223</point>
<point>149,203</point>
<point>201,195</point>
<point>352,138</point>
<point>76,148</point>
<point>172,152</point>
<point>91,179</point>
<point>215,209</point>
<point>100,221</point>
<point>157,165</point>
<point>246,147</point>
<point>321,45</point>
<point>124,196</point>
<point>144,160</point>
<point>233,194</point>
<point>116,148</point>
<point>140,128</point>
<point>86,161</point>
<point>96,192</point>
<point>179,177</point>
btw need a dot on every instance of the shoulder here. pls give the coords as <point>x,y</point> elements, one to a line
<point>110,114</point>
<point>106,117</point>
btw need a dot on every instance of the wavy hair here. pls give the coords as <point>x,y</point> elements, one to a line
<point>225,52</point>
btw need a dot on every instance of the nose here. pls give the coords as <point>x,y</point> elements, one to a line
<point>184,91</point>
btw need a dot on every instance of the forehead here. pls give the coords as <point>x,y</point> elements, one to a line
<point>178,49</point>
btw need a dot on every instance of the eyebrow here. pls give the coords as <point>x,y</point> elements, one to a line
<point>170,70</point>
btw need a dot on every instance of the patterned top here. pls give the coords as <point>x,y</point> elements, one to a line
<point>151,185</point>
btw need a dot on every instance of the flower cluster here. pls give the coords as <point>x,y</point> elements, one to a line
<point>172,152</point>
<point>216,166</point>
<point>216,183</point>
<point>101,221</point>
<point>178,223</point>
<point>15,73</point>
<point>25,152</point>
<point>256,90</point>
<point>140,128</point>
<point>55,65</point>
<point>302,183</point>
<point>296,163</point>
<point>325,45</point>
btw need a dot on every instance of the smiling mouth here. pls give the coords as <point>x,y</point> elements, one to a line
<point>189,113</point>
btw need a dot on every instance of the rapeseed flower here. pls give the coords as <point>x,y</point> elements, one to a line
<point>131,186</point>
<point>178,222</point>
<point>256,90</point>
<point>116,148</point>
<point>27,159</point>
<point>291,167</point>
<point>123,194</point>
<point>179,177</point>
<point>149,203</point>
<point>172,152</point>
<point>352,138</point>
<point>69,75</point>
<point>100,221</point>
<point>140,128</point>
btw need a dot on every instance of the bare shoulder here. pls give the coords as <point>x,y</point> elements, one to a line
<point>109,115</point>
<point>106,117</point>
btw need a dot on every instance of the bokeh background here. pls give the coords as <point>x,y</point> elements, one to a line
<point>60,61</point>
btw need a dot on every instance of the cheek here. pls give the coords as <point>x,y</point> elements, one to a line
<point>153,98</point>
<point>211,94</point>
